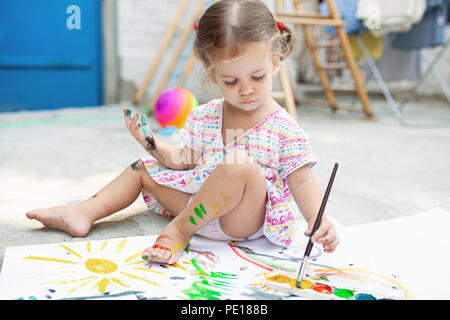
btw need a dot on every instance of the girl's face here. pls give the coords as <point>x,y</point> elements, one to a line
<point>246,82</point>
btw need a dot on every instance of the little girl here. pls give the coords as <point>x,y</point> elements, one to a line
<point>244,171</point>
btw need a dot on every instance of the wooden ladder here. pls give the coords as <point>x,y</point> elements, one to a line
<point>306,20</point>
<point>186,33</point>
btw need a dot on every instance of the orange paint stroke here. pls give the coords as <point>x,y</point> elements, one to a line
<point>177,265</point>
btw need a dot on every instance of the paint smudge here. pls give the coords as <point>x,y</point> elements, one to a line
<point>216,208</point>
<point>226,200</point>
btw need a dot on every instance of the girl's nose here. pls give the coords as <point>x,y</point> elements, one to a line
<point>245,89</point>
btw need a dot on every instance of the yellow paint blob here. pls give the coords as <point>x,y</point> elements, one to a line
<point>281,278</point>
<point>101,266</point>
<point>305,284</point>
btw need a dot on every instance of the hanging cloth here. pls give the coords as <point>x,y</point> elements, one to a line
<point>347,10</point>
<point>430,32</point>
<point>374,45</point>
<point>384,16</point>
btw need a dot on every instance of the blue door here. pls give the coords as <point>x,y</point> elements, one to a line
<point>50,54</point>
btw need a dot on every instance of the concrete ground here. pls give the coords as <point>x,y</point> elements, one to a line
<point>50,158</point>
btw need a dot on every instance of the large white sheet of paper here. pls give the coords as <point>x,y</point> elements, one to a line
<point>412,251</point>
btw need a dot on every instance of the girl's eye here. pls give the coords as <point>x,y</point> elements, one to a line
<point>259,78</point>
<point>230,83</point>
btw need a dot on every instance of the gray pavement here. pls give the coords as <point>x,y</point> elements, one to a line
<point>57,157</point>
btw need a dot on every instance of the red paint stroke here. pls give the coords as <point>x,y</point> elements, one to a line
<point>247,259</point>
<point>156,246</point>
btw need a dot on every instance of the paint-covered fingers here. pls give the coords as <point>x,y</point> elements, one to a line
<point>325,235</point>
<point>331,246</point>
<point>133,127</point>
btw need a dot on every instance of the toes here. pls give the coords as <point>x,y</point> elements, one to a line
<point>31,214</point>
<point>157,254</point>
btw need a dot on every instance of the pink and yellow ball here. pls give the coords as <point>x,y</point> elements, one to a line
<point>173,106</point>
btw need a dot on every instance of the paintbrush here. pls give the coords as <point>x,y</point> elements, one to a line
<point>309,246</point>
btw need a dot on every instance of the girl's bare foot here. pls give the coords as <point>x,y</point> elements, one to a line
<point>67,218</point>
<point>168,246</point>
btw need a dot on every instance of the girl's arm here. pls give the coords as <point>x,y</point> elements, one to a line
<point>308,196</point>
<point>169,156</point>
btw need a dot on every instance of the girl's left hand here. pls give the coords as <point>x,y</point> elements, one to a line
<point>325,235</point>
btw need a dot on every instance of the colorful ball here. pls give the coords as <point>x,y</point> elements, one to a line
<point>173,107</point>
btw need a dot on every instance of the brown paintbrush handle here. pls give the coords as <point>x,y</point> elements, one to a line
<point>321,210</point>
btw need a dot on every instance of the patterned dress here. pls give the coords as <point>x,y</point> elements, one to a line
<point>277,144</point>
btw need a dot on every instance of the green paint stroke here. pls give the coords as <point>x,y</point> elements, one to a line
<point>203,209</point>
<point>209,286</point>
<point>197,266</point>
<point>191,219</point>
<point>200,212</point>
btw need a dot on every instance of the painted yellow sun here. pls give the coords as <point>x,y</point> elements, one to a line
<point>99,269</point>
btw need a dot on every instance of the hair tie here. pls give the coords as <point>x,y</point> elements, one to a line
<point>280,25</point>
<point>196,26</point>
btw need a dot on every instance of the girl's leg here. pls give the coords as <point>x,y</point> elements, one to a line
<point>234,193</point>
<point>77,219</point>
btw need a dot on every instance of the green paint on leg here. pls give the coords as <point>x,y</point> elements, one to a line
<point>203,209</point>
<point>191,219</point>
<point>198,213</point>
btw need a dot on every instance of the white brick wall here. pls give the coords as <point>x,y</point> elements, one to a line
<point>141,27</point>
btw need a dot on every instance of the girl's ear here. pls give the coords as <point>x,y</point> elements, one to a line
<point>211,75</point>
<point>213,79</point>
<point>276,65</point>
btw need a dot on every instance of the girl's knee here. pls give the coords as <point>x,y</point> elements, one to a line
<point>240,165</point>
<point>138,165</point>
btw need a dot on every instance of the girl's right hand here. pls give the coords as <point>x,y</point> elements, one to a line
<point>135,129</point>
